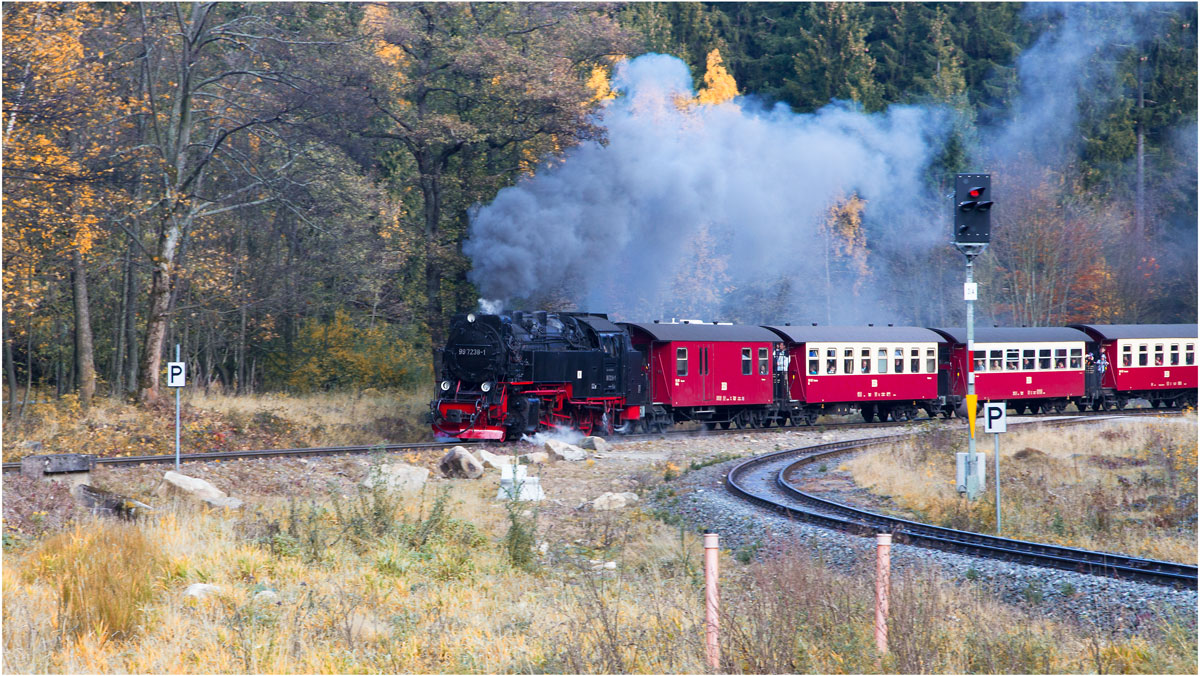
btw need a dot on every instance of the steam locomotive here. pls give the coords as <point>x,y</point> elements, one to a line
<point>505,376</point>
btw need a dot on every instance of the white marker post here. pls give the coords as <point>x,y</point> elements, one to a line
<point>995,422</point>
<point>176,377</point>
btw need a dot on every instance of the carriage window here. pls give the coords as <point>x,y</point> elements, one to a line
<point>1012,360</point>
<point>1127,355</point>
<point>997,359</point>
<point>746,362</point>
<point>831,361</point>
<point>1027,360</point>
<point>681,361</point>
<point>1175,355</point>
<point>866,361</point>
<point>914,363</point>
<point>1158,355</point>
<point>764,367</point>
<point>1044,359</point>
<point>1076,357</point>
<point>848,360</point>
<point>1143,355</point>
<point>980,361</point>
<point>1060,358</point>
<point>898,362</point>
<point>883,360</point>
<point>813,366</point>
<point>1189,354</point>
<point>930,360</point>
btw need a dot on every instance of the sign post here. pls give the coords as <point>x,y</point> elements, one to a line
<point>176,377</point>
<point>995,422</point>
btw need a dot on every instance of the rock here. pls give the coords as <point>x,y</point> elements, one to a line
<point>397,476</point>
<point>561,450</point>
<point>608,501</point>
<point>363,628</point>
<point>535,458</point>
<point>459,463</point>
<point>103,503</point>
<point>175,485</point>
<point>266,596</point>
<point>200,590</point>
<point>598,444</point>
<point>494,460</point>
<point>630,498</point>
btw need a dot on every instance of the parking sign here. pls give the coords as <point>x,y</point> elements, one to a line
<point>176,373</point>
<point>995,417</point>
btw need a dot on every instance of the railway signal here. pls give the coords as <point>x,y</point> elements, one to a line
<point>973,209</point>
<point>972,234</point>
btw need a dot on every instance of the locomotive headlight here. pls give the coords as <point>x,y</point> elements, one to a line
<point>445,385</point>
<point>486,387</point>
<point>471,318</point>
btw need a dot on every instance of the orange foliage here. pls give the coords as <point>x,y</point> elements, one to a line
<point>59,132</point>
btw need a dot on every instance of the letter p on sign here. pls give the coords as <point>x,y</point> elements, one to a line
<point>176,373</point>
<point>995,417</point>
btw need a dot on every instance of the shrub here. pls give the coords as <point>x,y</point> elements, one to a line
<point>335,353</point>
<point>105,573</point>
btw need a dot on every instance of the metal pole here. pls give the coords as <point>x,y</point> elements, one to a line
<point>972,480</point>
<point>177,415</point>
<point>711,601</point>
<point>883,581</point>
<point>996,478</point>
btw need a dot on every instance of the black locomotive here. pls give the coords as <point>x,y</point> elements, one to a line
<point>508,375</point>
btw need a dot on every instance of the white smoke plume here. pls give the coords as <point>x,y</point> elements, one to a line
<point>615,222</point>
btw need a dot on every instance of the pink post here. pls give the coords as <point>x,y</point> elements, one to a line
<point>711,552</point>
<point>883,575</point>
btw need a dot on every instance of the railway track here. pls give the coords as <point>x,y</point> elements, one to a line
<point>763,480</point>
<point>358,450</point>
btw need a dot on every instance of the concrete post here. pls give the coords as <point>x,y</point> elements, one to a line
<point>883,575</point>
<point>711,601</point>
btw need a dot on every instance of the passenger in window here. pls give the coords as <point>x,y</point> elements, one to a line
<point>830,366</point>
<point>1060,364</point>
<point>1158,360</point>
<point>866,365</point>
<point>997,365</point>
<point>1027,364</point>
<point>812,368</point>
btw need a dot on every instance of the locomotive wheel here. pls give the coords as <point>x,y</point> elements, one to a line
<point>868,412</point>
<point>1060,406</point>
<point>1122,402</point>
<point>899,414</point>
<point>810,418</point>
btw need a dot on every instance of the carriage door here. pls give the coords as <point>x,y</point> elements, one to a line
<point>708,390</point>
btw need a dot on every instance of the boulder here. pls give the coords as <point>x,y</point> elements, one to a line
<point>561,450</point>
<point>459,463</point>
<point>200,590</point>
<point>535,458</point>
<point>630,498</point>
<point>598,444</point>
<point>608,501</point>
<point>175,485</point>
<point>496,461</point>
<point>397,476</point>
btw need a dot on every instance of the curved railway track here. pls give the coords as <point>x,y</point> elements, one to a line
<point>763,480</point>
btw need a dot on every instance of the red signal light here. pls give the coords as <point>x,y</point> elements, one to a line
<point>975,193</point>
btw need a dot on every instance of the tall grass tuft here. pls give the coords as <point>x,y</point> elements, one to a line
<point>105,573</point>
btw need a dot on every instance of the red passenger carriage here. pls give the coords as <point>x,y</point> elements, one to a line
<point>1155,362</point>
<point>882,371</point>
<point>712,373</point>
<point>1033,369</point>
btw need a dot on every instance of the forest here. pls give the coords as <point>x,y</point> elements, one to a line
<point>301,195</point>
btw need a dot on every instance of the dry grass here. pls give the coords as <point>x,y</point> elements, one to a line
<point>1125,486</point>
<point>426,584</point>
<point>219,422</point>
